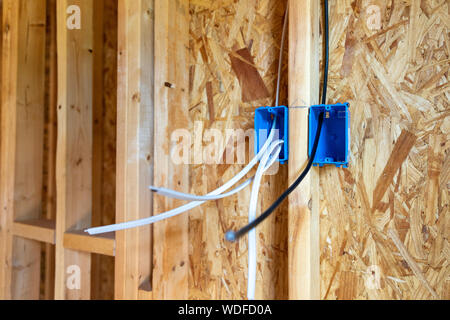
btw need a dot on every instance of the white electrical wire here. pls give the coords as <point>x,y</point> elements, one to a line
<point>280,62</point>
<point>190,197</point>
<point>266,162</point>
<point>252,250</point>
<point>268,155</point>
<point>189,206</point>
<point>275,148</point>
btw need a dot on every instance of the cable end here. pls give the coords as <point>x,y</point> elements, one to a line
<point>230,236</point>
<point>153,189</point>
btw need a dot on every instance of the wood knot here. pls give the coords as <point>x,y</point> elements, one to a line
<point>136,97</point>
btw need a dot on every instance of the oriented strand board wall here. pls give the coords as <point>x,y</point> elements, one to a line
<point>387,216</point>
<point>224,33</point>
<point>384,221</point>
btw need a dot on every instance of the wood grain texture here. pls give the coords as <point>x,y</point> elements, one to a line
<point>74,147</point>
<point>103,244</point>
<point>23,108</point>
<point>29,144</point>
<point>50,140</point>
<point>97,137</point>
<point>135,106</point>
<point>218,269</point>
<point>105,131</point>
<point>171,260</point>
<point>386,217</point>
<point>303,234</point>
<point>251,82</point>
<point>41,230</point>
<point>10,39</point>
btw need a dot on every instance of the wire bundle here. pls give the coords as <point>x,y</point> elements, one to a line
<point>216,194</point>
<point>266,157</point>
<point>234,236</point>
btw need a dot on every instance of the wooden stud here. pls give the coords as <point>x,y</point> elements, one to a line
<point>303,203</point>
<point>74,153</point>
<point>10,27</point>
<point>23,75</point>
<point>134,144</point>
<point>50,158</point>
<point>97,152</point>
<point>171,255</point>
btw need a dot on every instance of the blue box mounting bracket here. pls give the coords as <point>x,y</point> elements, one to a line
<point>334,143</point>
<point>264,118</point>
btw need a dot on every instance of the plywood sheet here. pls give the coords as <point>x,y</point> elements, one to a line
<point>384,221</point>
<point>234,49</point>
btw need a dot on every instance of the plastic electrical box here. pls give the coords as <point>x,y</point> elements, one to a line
<point>334,142</point>
<point>264,118</point>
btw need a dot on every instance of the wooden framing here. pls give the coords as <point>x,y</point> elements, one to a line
<point>50,159</point>
<point>98,137</point>
<point>202,65</point>
<point>79,241</point>
<point>10,25</point>
<point>74,154</point>
<point>41,230</point>
<point>303,236</point>
<point>170,271</point>
<point>134,145</point>
<point>23,61</point>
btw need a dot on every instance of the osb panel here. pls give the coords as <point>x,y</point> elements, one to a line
<point>234,49</point>
<point>385,220</point>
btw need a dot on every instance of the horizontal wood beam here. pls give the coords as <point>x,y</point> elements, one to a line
<point>104,244</point>
<point>41,230</point>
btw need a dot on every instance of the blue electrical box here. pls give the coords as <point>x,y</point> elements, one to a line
<point>334,142</point>
<point>264,118</point>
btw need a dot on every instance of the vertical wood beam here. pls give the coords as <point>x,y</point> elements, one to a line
<point>134,144</point>
<point>22,136</point>
<point>74,146</point>
<point>304,274</point>
<point>97,152</point>
<point>171,255</point>
<point>10,27</point>
<point>50,157</point>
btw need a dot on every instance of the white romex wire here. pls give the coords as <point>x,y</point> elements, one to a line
<point>267,161</point>
<point>189,206</point>
<point>190,197</point>
<point>275,149</point>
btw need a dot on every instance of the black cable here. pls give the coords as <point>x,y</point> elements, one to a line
<point>327,54</point>
<point>234,236</point>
